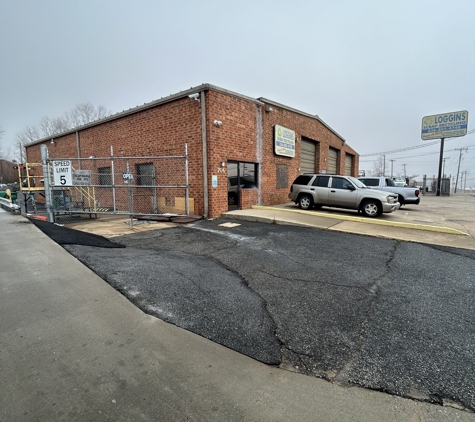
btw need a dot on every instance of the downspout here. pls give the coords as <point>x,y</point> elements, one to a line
<point>205,153</point>
<point>259,155</point>
<point>79,148</point>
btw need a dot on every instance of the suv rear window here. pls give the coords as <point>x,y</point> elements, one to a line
<point>303,179</point>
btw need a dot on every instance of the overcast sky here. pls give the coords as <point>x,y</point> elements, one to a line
<point>370,69</point>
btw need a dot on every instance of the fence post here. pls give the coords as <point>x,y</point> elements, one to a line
<point>113,178</point>
<point>187,194</point>
<point>46,179</point>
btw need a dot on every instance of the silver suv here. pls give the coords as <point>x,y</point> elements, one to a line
<point>318,190</point>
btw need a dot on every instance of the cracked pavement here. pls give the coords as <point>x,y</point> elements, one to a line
<point>383,314</point>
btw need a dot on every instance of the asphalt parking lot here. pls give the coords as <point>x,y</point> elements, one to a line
<point>380,313</point>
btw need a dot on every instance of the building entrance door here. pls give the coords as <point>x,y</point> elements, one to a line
<point>233,186</point>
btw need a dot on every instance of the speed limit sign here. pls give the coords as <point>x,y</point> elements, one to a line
<point>62,173</point>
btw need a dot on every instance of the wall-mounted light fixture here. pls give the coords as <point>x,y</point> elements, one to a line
<point>269,108</point>
<point>52,141</point>
<point>218,123</point>
<point>223,164</point>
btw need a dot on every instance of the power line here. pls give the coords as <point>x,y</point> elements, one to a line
<point>410,148</point>
<point>401,150</point>
<point>416,155</point>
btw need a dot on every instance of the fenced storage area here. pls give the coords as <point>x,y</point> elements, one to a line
<point>134,186</point>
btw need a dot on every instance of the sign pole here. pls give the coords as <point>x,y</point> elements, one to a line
<point>441,126</point>
<point>439,179</point>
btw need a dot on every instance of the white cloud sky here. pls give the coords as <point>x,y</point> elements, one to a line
<point>370,69</point>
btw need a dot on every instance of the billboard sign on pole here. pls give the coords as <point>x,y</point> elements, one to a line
<point>449,125</point>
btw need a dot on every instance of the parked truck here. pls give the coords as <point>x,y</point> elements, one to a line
<point>406,195</point>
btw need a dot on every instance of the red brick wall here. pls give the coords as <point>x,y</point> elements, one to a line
<point>303,126</point>
<point>248,198</point>
<point>164,129</point>
<point>7,173</point>
<point>234,140</point>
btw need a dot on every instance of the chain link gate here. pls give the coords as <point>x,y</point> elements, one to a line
<point>117,185</point>
<point>429,185</point>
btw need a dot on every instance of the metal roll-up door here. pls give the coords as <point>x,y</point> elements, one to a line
<point>348,164</point>
<point>332,160</point>
<point>307,157</point>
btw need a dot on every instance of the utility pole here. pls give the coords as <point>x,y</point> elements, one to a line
<point>443,168</point>
<point>463,182</point>
<point>404,171</point>
<point>458,169</point>
<point>384,165</point>
<point>392,161</point>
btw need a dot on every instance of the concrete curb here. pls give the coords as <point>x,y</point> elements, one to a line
<point>439,229</point>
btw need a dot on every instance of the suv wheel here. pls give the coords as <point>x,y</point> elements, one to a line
<point>305,202</point>
<point>371,208</point>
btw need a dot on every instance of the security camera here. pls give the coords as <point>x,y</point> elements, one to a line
<point>218,123</point>
<point>195,96</point>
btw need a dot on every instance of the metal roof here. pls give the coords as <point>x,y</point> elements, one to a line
<point>173,97</point>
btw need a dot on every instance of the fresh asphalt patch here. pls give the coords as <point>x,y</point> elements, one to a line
<point>192,292</point>
<point>387,315</point>
<point>66,236</point>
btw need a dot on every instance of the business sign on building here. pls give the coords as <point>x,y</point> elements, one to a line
<point>284,141</point>
<point>62,173</point>
<point>449,125</point>
<point>82,177</point>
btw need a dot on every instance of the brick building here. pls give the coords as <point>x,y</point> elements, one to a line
<point>242,151</point>
<point>7,173</point>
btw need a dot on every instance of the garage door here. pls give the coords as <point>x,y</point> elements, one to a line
<point>307,156</point>
<point>332,160</point>
<point>348,164</point>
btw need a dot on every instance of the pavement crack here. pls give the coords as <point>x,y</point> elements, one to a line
<point>328,283</point>
<point>375,292</point>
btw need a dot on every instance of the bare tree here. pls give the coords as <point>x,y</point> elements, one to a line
<point>80,115</point>
<point>378,166</point>
<point>48,126</point>
<point>86,113</point>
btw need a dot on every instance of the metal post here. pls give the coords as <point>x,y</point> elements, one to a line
<point>458,171</point>
<point>187,193</point>
<point>443,168</point>
<point>131,200</point>
<point>154,184</point>
<point>113,177</point>
<point>439,180</point>
<point>46,179</point>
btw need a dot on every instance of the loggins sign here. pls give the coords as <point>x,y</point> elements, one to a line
<point>449,125</point>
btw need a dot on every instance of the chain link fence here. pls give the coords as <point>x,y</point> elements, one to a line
<point>133,186</point>
<point>429,185</point>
